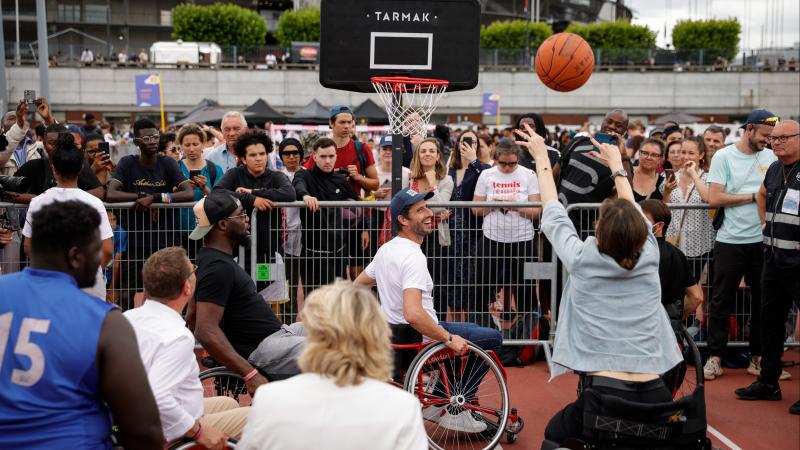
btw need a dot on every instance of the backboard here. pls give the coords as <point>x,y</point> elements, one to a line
<point>424,39</point>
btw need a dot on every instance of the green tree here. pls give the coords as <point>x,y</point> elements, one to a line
<point>510,34</point>
<point>222,23</point>
<point>719,35</point>
<point>300,25</point>
<point>618,42</point>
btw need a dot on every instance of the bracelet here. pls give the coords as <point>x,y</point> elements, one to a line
<point>198,433</point>
<point>166,198</point>
<point>250,375</point>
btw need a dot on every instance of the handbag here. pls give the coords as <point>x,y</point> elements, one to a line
<point>676,239</point>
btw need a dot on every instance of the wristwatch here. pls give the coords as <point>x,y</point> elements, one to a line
<point>619,173</point>
<point>449,339</point>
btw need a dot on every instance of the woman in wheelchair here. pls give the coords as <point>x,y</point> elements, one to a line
<point>341,400</point>
<point>612,327</point>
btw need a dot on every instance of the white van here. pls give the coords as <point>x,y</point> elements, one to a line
<point>179,53</point>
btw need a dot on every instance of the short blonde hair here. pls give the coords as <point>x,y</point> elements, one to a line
<point>347,336</point>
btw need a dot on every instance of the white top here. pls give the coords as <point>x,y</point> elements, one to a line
<point>57,194</point>
<point>292,225</point>
<point>309,411</point>
<point>167,350</point>
<point>385,178</point>
<point>697,234</point>
<point>495,186</point>
<point>399,265</point>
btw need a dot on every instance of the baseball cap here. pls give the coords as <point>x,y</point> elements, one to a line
<point>404,199</point>
<point>760,117</point>
<point>216,206</point>
<point>386,141</point>
<point>338,109</point>
<point>656,130</point>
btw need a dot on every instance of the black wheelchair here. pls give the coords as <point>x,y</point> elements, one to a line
<point>611,422</point>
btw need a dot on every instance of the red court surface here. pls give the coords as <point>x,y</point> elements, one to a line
<point>733,424</point>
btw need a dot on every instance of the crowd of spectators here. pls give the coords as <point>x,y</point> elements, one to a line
<point>477,256</point>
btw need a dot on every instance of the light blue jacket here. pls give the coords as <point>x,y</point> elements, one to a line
<point>611,318</point>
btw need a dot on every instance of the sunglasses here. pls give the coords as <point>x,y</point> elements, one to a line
<point>291,153</point>
<point>770,121</point>
<point>173,150</point>
<point>507,164</point>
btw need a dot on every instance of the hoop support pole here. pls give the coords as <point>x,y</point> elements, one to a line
<point>398,151</point>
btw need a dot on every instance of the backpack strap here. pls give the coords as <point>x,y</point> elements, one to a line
<point>362,160</point>
<point>212,172</point>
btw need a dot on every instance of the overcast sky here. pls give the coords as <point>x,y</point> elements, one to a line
<point>780,19</point>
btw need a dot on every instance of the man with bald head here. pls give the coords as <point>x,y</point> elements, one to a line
<point>778,200</point>
<point>582,177</point>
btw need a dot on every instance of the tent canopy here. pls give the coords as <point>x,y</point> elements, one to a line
<point>204,104</point>
<point>209,115</point>
<point>262,112</point>
<point>313,113</point>
<point>677,117</point>
<point>371,113</point>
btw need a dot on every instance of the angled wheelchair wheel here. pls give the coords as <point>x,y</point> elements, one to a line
<point>464,398</point>
<point>689,373</point>
<point>188,444</point>
<point>223,382</point>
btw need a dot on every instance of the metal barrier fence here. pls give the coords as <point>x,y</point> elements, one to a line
<point>696,242</point>
<point>497,270</point>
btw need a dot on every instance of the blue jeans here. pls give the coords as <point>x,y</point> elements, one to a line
<point>486,339</point>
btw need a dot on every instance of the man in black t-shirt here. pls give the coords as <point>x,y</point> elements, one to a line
<point>232,321</point>
<point>145,179</point>
<point>680,293</point>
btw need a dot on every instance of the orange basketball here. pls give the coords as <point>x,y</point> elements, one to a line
<point>564,62</point>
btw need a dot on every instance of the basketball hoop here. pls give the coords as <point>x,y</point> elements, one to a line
<point>409,102</point>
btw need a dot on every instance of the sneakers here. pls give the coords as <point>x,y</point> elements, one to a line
<point>463,421</point>
<point>712,369</point>
<point>795,408</point>
<point>755,369</point>
<point>759,391</point>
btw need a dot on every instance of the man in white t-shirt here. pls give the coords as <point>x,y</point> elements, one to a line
<point>405,288</point>
<point>67,162</point>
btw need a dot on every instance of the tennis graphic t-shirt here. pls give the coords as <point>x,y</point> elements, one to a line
<point>504,225</point>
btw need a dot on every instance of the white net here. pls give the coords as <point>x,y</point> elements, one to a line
<point>409,102</point>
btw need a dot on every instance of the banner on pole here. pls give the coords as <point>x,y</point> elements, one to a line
<point>491,103</point>
<point>148,89</point>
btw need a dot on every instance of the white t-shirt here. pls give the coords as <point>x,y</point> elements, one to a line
<point>398,265</point>
<point>309,411</point>
<point>386,177</point>
<point>294,244</point>
<point>516,186</point>
<point>57,194</point>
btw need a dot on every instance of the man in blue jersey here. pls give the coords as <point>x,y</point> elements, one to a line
<point>68,365</point>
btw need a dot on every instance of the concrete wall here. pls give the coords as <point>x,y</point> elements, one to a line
<point>112,89</point>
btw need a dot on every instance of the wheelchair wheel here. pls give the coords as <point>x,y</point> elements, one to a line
<point>223,382</point>
<point>192,445</point>
<point>689,373</point>
<point>464,398</point>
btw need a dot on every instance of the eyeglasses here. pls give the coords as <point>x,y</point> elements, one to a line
<point>174,150</point>
<point>244,214</point>
<point>781,139</point>
<point>291,153</point>
<point>151,138</point>
<point>649,155</point>
<point>508,164</point>
<point>770,121</point>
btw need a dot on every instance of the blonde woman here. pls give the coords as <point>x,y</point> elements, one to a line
<point>429,174</point>
<point>342,399</point>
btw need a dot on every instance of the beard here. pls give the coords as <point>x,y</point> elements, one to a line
<point>245,241</point>
<point>753,146</point>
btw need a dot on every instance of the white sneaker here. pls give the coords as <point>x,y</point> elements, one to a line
<point>463,421</point>
<point>712,369</point>
<point>432,413</point>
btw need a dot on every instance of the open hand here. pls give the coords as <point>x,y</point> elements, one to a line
<point>609,154</point>
<point>531,141</point>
